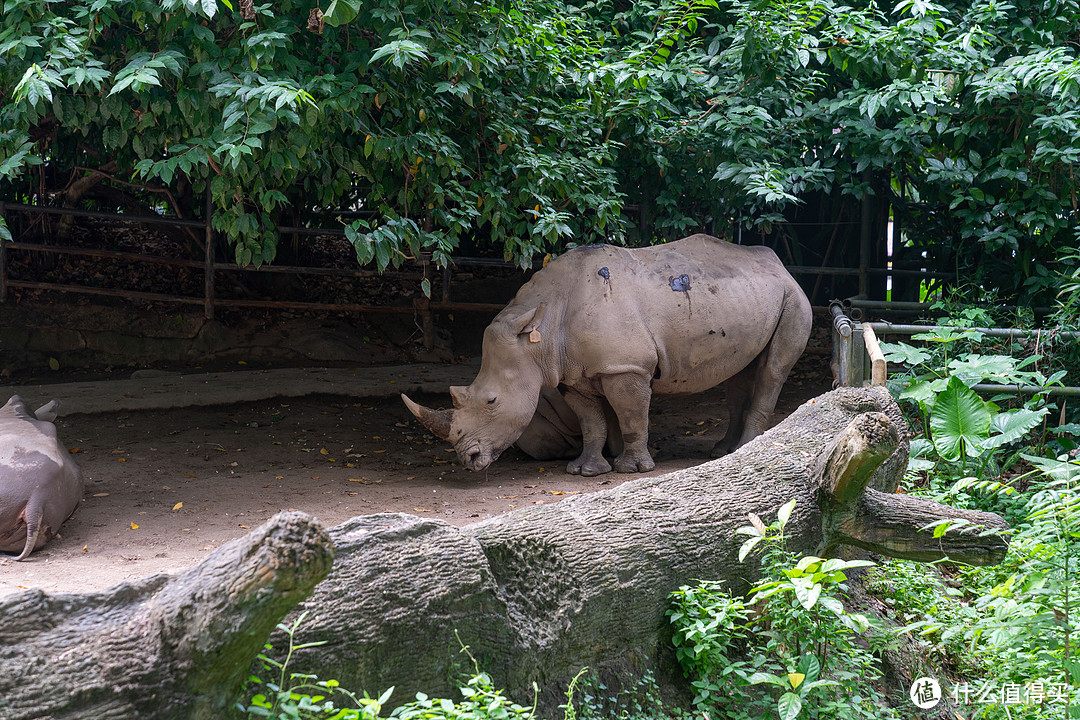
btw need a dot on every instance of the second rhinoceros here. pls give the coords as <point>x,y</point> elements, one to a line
<point>610,324</point>
<point>40,484</point>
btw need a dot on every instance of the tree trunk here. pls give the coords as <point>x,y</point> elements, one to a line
<point>536,594</point>
<point>166,646</point>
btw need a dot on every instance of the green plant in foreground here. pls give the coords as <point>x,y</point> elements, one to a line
<point>792,634</point>
<point>297,696</point>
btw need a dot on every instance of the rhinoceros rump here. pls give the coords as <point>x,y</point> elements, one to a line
<point>610,326</point>
<point>40,485</point>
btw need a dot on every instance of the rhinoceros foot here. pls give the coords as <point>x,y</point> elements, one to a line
<point>588,467</point>
<point>632,461</point>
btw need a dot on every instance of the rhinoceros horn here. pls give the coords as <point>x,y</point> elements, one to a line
<point>437,421</point>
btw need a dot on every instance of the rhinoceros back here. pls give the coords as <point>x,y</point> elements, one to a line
<point>696,311</point>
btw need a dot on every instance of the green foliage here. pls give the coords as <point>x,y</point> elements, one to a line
<point>959,424</point>
<point>1010,624</point>
<point>792,636</point>
<point>294,696</point>
<point>587,698</point>
<point>527,127</point>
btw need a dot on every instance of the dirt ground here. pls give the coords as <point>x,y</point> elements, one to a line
<point>164,488</point>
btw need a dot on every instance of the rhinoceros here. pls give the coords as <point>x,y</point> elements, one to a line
<point>40,484</point>
<point>610,326</point>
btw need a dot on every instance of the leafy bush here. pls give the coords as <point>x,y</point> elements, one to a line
<point>792,636</point>
<point>295,696</point>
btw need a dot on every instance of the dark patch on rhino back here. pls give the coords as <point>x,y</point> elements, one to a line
<point>680,283</point>
<point>604,273</point>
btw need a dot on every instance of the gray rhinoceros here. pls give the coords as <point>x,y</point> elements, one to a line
<point>40,484</point>
<point>604,323</point>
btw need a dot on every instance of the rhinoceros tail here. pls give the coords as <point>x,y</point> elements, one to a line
<point>33,514</point>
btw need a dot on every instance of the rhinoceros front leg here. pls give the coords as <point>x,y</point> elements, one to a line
<point>629,395</point>
<point>590,412</point>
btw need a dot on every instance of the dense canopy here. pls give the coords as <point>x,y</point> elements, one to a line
<point>529,126</point>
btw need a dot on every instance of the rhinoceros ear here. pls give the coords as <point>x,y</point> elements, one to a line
<point>528,321</point>
<point>460,395</point>
<point>437,421</point>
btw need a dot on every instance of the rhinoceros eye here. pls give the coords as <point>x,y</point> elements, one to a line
<point>492,400</point>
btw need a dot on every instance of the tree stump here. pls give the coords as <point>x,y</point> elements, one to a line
<point>167,646</point>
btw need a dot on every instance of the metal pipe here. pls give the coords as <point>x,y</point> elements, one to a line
<point>114,254</point>
<point>841,322</point>
<point>921,306</point>
<point>808,270</point>
<point>208,258</point>
<point>1068,391</point>
<point>151,219</point>
<point>3,261</point>
<point>129,294</point>
<point>885,328</point>
<point>866,226</point>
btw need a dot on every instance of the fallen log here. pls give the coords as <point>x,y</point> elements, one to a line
<point>542,591</point>
<point>536,593</point>
<point>164,647</point>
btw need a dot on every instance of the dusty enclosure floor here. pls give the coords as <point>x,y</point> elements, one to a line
<point>164,488</point>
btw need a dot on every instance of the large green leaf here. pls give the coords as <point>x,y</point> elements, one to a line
<point>1013,425</point>
<point>959,422</point>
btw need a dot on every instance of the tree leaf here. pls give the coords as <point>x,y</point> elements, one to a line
<point>789,706</point>
<point>959,421</point>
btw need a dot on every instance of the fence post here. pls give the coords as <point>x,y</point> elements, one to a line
<point>208,279</point>
<point>841,344</point>
<point>3,262</point>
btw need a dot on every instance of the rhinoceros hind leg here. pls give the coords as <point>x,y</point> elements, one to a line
<point>738,390</point>
<point>774,364</point>
<point>48,411</point>
<point>590,412</point>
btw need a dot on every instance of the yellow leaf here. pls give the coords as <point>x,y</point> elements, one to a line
<point>556,492</point>
<point>134,526</point>
<point>422,115</point>
<point>84,548</point>
<point>101,495</point>
<point>241,362</point>
<point>177,506</point>
<point>121,459</point>
<point>547,259</point>
<point>757,523</point>
<point>190,475</point>
<point>795,679</point>
<point>54,364</point>
<point>324,451</point>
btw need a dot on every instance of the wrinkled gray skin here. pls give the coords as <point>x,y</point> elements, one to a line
<point>40,485</point>
<point>604,323</point>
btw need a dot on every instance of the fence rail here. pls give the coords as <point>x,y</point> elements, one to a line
<point>419,268</point>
